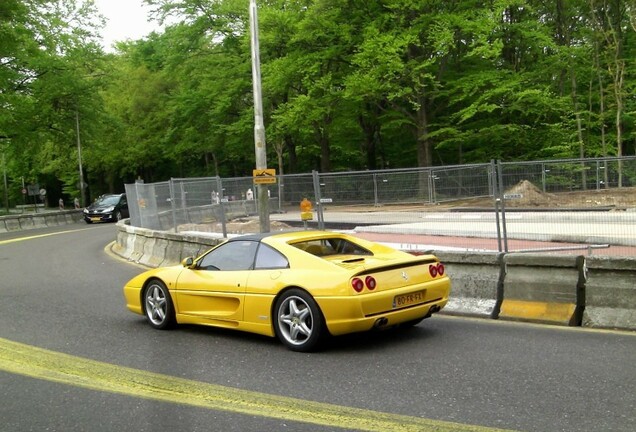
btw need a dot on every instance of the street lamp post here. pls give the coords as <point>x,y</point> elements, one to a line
<point>6,186</point>
<point>79,157</point>
<point>259,127</point>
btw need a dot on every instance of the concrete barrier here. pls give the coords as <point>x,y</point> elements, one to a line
<point>544,288</point>
<point>29,221</point>
<point>12,223</point>
<point>476,281</point>
<point>158,248</point>
<point>610,298</point>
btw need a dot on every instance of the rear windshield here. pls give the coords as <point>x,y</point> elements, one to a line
<point>332,246</point>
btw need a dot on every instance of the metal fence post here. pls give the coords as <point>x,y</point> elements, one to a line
<point>543,171</point>
<point>375,191</point>
<point>318,197</point>
<point>502,199</point>
<point>221,204</point>
<point>172,205</point>
<point>495,194</point>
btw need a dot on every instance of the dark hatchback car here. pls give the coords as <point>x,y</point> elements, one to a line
<point>107,208</point>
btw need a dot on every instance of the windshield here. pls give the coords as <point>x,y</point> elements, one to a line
<point>108,200</point>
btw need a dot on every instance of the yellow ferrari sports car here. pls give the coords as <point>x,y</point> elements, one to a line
<point>298,286</point>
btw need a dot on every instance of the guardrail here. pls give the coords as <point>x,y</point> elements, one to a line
<point>574,291</point>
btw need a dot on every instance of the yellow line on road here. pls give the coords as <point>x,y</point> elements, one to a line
<point>62,368</point>
<point>39,236</point>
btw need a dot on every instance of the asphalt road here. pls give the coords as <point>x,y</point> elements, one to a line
<point>72,358</point>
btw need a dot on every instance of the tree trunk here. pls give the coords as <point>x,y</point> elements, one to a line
<point>371,130</point>
<point>424,153</point>
<point>579,130</point>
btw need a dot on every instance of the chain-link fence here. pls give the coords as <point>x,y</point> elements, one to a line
<point>587,202</point>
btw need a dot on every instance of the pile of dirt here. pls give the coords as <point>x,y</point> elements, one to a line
<point>527,194</point>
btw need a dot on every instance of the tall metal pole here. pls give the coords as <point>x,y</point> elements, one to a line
<point>259,127</point>
<point>6,185</point>
<point>79,157</point>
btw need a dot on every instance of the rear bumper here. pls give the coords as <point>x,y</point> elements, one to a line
<point>351,314</point>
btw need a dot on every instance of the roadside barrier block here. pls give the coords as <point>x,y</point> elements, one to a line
<point>26,222</point>
<point>137,250</point>
<point>174,249</point>
<point>475,281</point>
<point>39,222</point>
<point>148,251</point>
<point>610,293</point>
<point>543,288</point>
<point>3,225</point>
<point>13,224</point>
<point>51,220</point>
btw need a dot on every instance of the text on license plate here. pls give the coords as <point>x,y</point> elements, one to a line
<point>409,299</point>
<point>96,218</point>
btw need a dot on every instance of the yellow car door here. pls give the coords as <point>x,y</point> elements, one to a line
<point>213,289</point>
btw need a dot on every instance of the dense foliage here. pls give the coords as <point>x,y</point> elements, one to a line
<point>347,85</point>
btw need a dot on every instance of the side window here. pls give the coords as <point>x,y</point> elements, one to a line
<point>269,258</point>
<point>237,255</point>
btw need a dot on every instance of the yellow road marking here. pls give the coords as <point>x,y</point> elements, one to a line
<point>62,368</point>
<point>39,236</point>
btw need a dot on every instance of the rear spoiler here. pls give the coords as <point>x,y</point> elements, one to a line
<point>381,268</point>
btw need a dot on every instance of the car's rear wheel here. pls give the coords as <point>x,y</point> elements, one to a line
<point>158,306</point>
<point>298,322</point>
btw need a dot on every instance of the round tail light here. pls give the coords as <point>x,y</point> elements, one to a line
<point>357,284</point>
<point>432,269</point>
<point>440,269</point>
<point>369,281</point>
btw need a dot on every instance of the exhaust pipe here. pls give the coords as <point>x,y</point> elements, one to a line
<point>432,310</point>
<point>380,322</point>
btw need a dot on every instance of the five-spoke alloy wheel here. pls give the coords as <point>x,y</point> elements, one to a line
<point>158,305</point>
<point>298,321</point>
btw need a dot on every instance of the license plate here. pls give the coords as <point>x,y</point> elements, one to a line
<point>409,299</point>
<point>96,219</point>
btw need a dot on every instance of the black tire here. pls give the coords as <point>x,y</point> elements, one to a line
<point>298,322</point>
<point>158,306</point>
<point>117,216</point>
<point>88,221</point>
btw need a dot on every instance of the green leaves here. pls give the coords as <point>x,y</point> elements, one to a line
<point>346,84</point>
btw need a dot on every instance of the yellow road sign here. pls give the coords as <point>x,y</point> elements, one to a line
<point>264,176</point>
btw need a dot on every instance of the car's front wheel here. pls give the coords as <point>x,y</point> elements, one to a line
<point>298,321</point>
<point>158,306</point>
